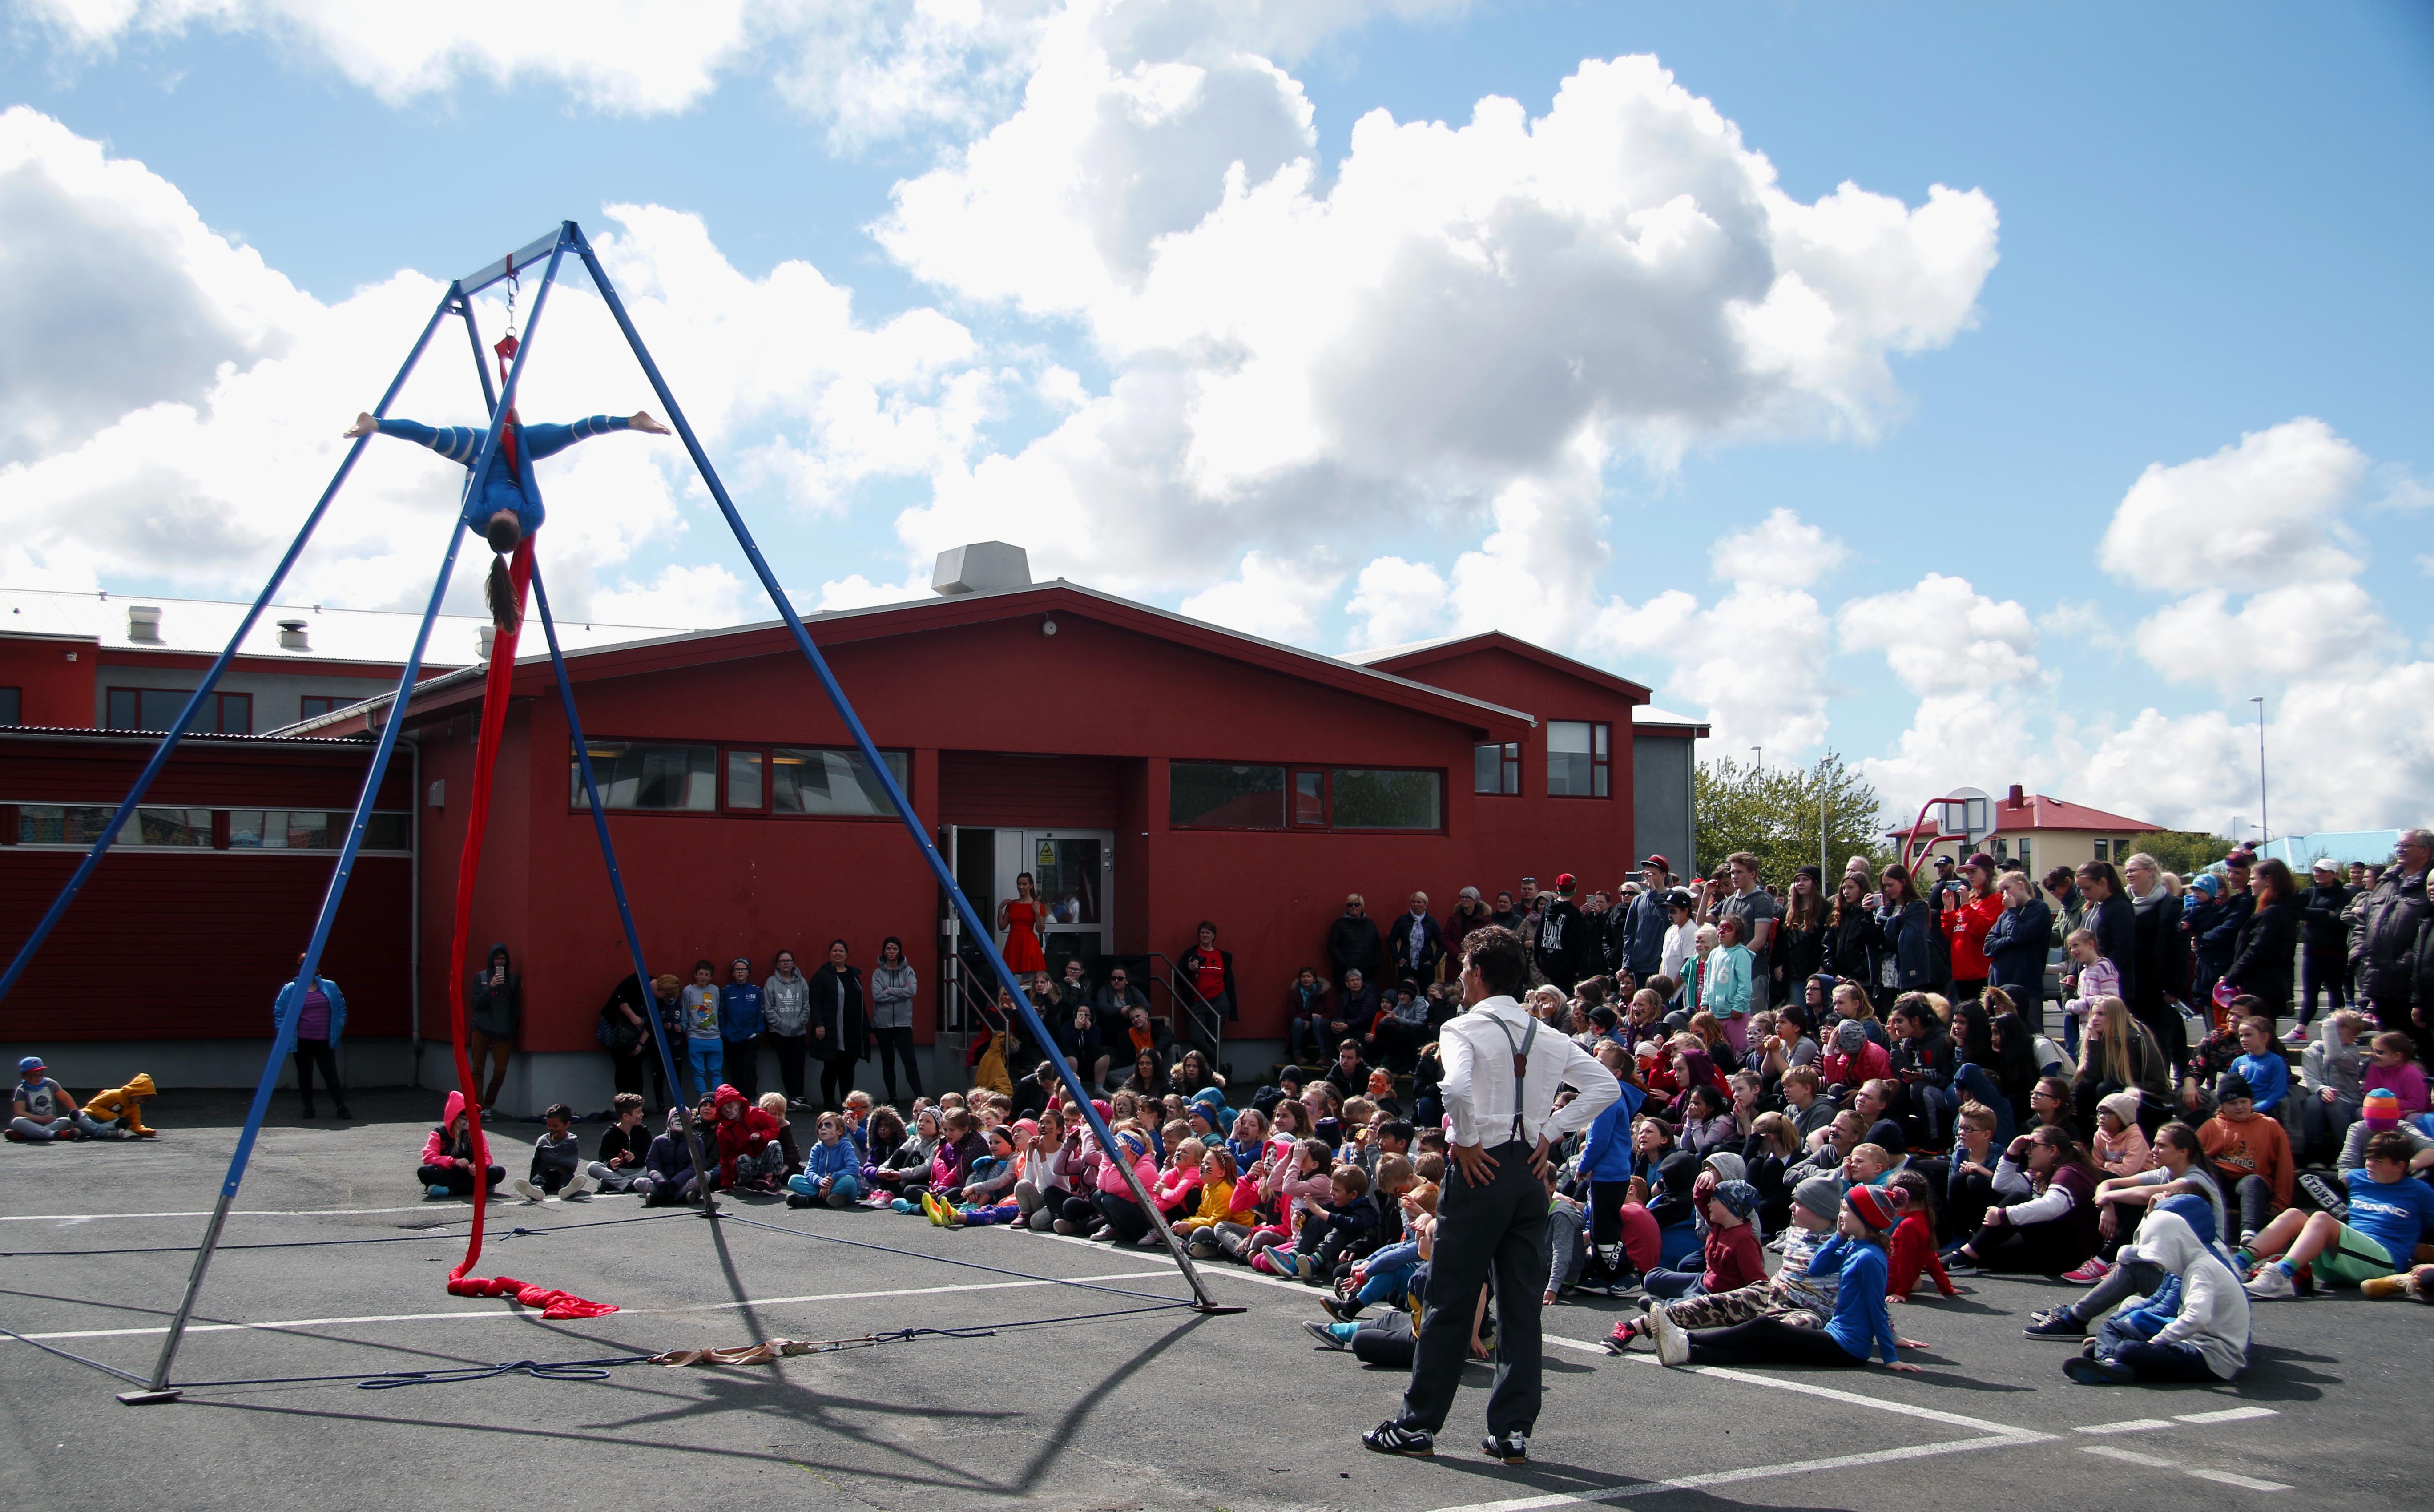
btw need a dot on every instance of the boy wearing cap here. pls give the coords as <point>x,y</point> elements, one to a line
<point>39,1109</point>
<point>2250,1152</point>
<point>1564,937</point>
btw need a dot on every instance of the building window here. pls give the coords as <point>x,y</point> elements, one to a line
<point>315,829</point>
<point>164,829</point>
<point>649,778</point>
<point>1496,768</point>
<point>1369,798</point>
<point>1310,800</point>
<point>226,713</point>
<point>2002,849</point>
<point>11,705</point>
<point>314,705</point>
<point>744,782</point>
<point>1221,796</point>
<point>826,782</point>
<point>2103,849</point>
<point>2025,862</point>
<point>1579,759</point>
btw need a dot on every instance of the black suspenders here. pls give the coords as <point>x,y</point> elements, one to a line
<point>1521,1065</point>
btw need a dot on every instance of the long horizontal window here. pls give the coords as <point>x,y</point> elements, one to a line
<point>225,714</point>
<point>812,782</point>
<point>77,826</point>
<point>1253,796</point>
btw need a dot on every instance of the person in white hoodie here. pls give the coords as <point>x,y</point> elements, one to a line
<point>2205,1337</point>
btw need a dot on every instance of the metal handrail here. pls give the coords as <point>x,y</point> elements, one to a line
<point>1203,1013</point>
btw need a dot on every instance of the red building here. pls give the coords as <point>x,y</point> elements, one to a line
<point>1150,770</point>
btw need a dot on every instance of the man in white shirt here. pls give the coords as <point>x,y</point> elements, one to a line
<point>1492,1211</point>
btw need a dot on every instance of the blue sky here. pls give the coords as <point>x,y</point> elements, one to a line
<point>2212,226</point>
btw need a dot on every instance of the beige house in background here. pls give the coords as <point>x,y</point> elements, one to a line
<point>2044,833</point>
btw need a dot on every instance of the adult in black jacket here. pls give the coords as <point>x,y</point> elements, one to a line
<point>1568,938</point>
<point>2384,947</point>
<point>839,1027</point>
<point>1907,928</point>
<point>1644,922</point>
<point>2324,940</point>
<point>1414,959</point>
<point>1353,943</point>
<point>2163,956</point>
<point>2112,919</point>
<point>1799,951</point>
<point>2016,945</point>
<point>1852,942</point>
<point>2269,942</point>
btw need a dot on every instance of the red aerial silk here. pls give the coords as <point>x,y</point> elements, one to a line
<point>554,1304</point>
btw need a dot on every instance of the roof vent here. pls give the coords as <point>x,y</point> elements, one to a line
<point>985,566</point>
<point>489,634</point>
<point>144,624</point>
<point>292,636</point>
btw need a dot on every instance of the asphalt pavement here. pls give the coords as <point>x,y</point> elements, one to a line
<point>1028,1395</point>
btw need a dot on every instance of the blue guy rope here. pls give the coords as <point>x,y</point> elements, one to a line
<point>177,731</point>
<point>617,886</point>
<point>284,1039</point>
<point>978,932</point>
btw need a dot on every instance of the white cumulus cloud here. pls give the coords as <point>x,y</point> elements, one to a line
<point>2262,512</point>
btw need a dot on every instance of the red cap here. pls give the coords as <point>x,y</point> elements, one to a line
<point>1563,882</point>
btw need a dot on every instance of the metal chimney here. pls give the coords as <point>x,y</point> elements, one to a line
<point>293,636</point>
<point>144,624</point>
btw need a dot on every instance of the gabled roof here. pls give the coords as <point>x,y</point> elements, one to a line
<point>1665,722</point>
<point>1417,654</point>
<point>845,626</point>
<point>2038,811</point>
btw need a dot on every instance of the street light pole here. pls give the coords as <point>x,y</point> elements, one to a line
<point>2264,810</point>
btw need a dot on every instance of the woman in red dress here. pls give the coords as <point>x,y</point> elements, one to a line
<point>1020,917</point>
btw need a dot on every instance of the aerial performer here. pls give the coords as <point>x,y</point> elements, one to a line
<point>506,509</point>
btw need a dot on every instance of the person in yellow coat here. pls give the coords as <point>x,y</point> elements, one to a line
<point>118,1113</point>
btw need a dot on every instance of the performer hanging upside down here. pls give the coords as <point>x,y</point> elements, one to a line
<point>509,508</point>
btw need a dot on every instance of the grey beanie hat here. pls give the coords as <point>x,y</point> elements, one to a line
<point>1819,1194</point>
<point>1849,1035</point>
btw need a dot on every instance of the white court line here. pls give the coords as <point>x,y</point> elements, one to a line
<point>2246,1483</point>
<point>246,1212</point>
<point>2228,1415</point>
<point>1162,1258</point>
<point>493,1313</point>
<point>2132,1425</point>
<point>1753,1472</point>
<point>2131,1456</point>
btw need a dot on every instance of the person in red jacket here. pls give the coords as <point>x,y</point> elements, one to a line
<point>1855,1061</point>
<point>1910,1253</point>
<point>1731,1252</point>
<point>1972,912</point>
<point>747,1144</point>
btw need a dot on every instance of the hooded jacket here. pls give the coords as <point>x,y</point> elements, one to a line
<point>446,1148</point>
<point>1967,927</point>
<point>124,1103</point>
<point>493,1010</point>
<point>2384,947</point>
<point>2261,962</point>
<point>670,1160</point>
<point>738,1136</point>
<point>2213,1316</point>
<point>786,1004</point>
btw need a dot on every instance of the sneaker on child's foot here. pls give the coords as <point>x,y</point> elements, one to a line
<point>1060,1226</point>
<point>1512,1447</point>
<point>437,1189</point>
<point>1153,1239</point>
<point>2271,1283</point>
<point>522,1187</point>
<point>2088,1370</point>
<point>2055,1323</point>
<point>2089,1272</point>
<point>580,1186</point>
<point>1326,1336</point>
<point>1619,1342</point>
<point>1673,1341</point>
<point>1962,1268</point>
<point>1394,1438</point>
<point>1342,1309</point>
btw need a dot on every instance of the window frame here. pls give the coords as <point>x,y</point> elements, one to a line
<point>1508,763</point>
<point>1601,755</point>
<point>722,807</point>
<point>1325,772</point>
<point>221,703</point>
<point>331,703</point>
<point>220,817</point>
<point>14,714</point>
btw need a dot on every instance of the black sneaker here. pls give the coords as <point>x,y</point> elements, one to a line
<point>1962,1269</point>
<point>1325,1339</point>
<point>2055,1323</point>
<point>1512,1447</point>
<point>1342,1309</point>
<point>1394,1438</point>
<point>2096,1372</point>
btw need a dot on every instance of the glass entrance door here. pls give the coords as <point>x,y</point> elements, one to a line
<point>1073,873</point>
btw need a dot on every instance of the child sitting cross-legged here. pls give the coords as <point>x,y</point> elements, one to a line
<point>622,1145</point>
<point>1797,1294</point>
<point>557,1160</point>
<point>1218,1195</point>
<point>774,1104</point>
<point>832,1174</point>
<point>451,1157</point>
<point>986,1195</point>
<point>1177,1190</point>
<point>1282,1180</point>
<point>668,1175</point>
<point>1327,1230</point>
<point>1384,1275</point>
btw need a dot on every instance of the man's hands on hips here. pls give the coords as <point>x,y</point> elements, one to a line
<point>1477,1166</point>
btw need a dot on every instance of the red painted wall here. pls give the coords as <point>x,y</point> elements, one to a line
<point>958,699</point>
<point>193,945</point>
<point>55,689</point>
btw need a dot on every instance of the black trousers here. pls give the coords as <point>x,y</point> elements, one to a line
<point>2323,971</point>
<point>1769,1341</point>
<point>743,1066</point>
<point>894,1045</point>
<point>457,1178</point>
<point>312,1053</point>
<point>626,1068</point>
<point>2046,1248</point>
<point>836,1079</point>
<point>1499,1230</point>
<point>790,1050</point>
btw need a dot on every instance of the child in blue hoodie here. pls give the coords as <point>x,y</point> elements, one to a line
<point>1860,1325</point>
<point>832,1174</point>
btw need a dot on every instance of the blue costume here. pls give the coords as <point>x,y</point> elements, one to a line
<point>510,484</point>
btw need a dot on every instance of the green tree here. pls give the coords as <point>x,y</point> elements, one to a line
<point>1773,812</point>
<point>2182,852</point>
